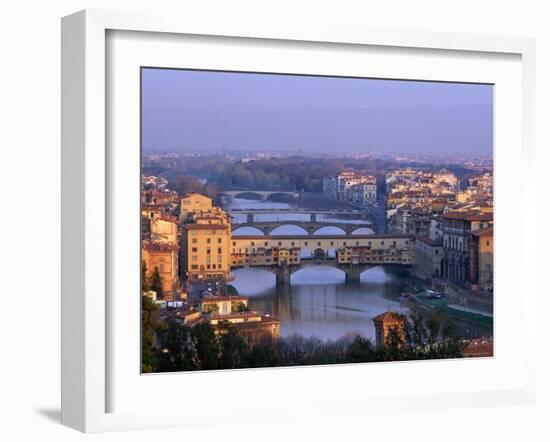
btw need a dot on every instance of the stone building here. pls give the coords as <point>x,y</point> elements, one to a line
<point>481,259</point>
<point>165,229</point>
<point>163,256</point>
<point>194,203</point>
<point>457,235</point>
<point>206,238</point>
<point>223,304</point>
<point>387,322</point>
<point>351,186</point>
<point>428,258</point>
<point>252,325</point>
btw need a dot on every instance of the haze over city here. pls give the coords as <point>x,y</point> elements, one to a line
<point>198,110</point>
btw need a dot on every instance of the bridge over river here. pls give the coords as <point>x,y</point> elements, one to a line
<point>314,224</point>
<point>263,194</point>
<point>353,254</point>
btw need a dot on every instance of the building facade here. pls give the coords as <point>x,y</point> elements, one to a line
<point>206,238</point>
<point>457,235</point>
<point>351,187</point>
<point>396,249</point>
<point>386,324</point>
<point>193,203</point>
<point>428,262</point>
<point>164,256</point>
<point>481,259</point>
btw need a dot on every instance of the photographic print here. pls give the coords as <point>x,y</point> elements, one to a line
<point>291,220</point>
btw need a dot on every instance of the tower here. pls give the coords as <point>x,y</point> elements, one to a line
<point>385,323</point>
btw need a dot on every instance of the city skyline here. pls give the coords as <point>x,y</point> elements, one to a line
<point>211,110</point>
<point>297,220</point>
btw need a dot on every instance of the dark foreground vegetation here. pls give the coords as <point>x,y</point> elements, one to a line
<point>169,346</point>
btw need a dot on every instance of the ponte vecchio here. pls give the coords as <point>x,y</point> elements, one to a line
<point>353,254</point>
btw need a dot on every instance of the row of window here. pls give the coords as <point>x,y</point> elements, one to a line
<point>208,251</point>
<point>208,240</point>
<point>208,266</point>
<point>452,242</point>
<point>292,244</point>
<point>266,261</point>
<point>376,259</point>
<point>195,258</point>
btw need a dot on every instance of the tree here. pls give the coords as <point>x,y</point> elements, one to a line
<point>176,353</point>
<point>231,290</point>
<point>212,308</point>
<point>145,285</point>
<point>433,325</point>
<point>395,348</point>
<point>232,347</point>
<point>361,350</point>
<point>156,283</point>
<point>241,307</point>
<point>205,346</point>
<point>262,354</point>
<point>149,324</point>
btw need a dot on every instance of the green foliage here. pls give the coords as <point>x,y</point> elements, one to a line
<point>144,278</point>
<point>206,346</point>
<point>175,352</point>
<point>240,307</point>
<point>183,184</point>
<point>231,290</point>
<point>263,354</point>
<point>149,322</point>
<point>212,308</point>
<point>202,348</point>
<point>156,282</point>
<point>232,348</point>
<point>361,350</point>
<point>286,174</point>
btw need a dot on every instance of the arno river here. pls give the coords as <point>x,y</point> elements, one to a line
<point>318,302</point>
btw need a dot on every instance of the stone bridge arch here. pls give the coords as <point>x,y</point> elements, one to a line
<point>277,225</point>
<point>262,194</point>
<point>352,271</point>
<point>246,193</point>
<point>354,227</point>
<point>342,228</point>
<point>243,232</point>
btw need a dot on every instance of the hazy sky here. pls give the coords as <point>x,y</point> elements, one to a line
<point>261,112</point>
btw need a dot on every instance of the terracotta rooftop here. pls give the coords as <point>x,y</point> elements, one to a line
<point>479,348</point>
<point>389,316</point>
<point>469,216</point>
<point>483,232</point>
<point>169,219</point>
<point>187,195</point>
<point>207,226</point>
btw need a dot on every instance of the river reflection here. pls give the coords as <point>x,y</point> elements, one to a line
<point>318,302</point>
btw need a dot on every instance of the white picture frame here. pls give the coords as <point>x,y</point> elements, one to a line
<point>85,216</point>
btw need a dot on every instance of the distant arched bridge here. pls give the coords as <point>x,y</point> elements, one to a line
<point>263,194</point>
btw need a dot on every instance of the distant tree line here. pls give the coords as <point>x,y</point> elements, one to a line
<point>285,174</point>
<point>169,346</point>
<point>295,173</point>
